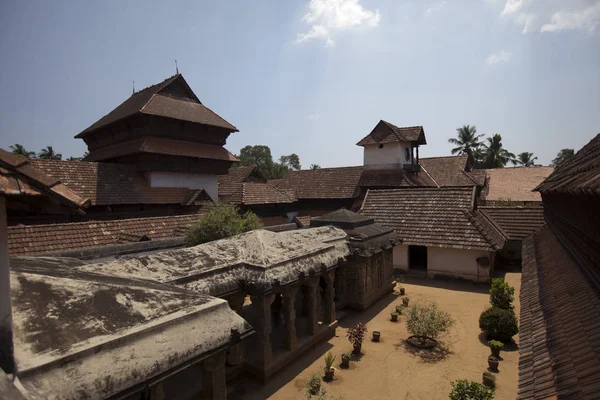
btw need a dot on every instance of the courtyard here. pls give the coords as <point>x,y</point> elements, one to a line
<point>390,369</point>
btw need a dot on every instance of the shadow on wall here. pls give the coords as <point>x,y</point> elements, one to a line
<point>457,284</point>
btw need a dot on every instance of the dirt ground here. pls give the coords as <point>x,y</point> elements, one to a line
<point>391,369</point>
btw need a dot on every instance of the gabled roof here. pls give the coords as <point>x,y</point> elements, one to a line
<point>386,132</point>
<point>393,178</point>
<point>515,222</point>
<point>515,183</point>
<point>247,185</point>
<point>449,171</point>
<point>20,177</point>
<point>579,174</point>
<point>437,217</point>
<point>171,98</point>
<point>323,183</point>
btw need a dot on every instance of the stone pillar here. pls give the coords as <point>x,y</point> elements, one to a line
<point>235,354</point>
<point>7,360</point>
<point>213,379</point>
<point>262,304</point>
<point>156,392</point>
<point>289,315</point>
<point>328,297</point>
<point>311,300</point>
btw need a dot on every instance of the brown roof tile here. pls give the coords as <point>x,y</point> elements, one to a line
<point>438,217</point>
<point>255,193</point>
<point>515,184</point>
<point>393,178</point>
<point>448,171</point>
<point>323,183</point>
<point>515,222</point>
<point>48,238</point>
<point>385,132</point>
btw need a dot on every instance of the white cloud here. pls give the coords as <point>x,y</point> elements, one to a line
<point>434,7</point>
<point>499,57</point>
<point>328,16</point>
<point>313,117</point>
<point>554,15</point>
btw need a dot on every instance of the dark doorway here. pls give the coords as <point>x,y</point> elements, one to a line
<point>417,257</point>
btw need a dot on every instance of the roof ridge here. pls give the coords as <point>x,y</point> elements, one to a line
<point>429,175</point>
<point>429,158</point>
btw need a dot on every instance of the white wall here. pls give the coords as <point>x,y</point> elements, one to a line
<point>391,153</point>
<point>185,180</point>
<point>462,263</point>
<point>401,256</point>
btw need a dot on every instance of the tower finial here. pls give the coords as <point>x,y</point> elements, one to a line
<point>133,92</point>
<point>176,68</point>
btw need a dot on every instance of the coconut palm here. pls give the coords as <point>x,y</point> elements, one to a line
<point>20,151</point>
<point>315,166</point>
<point>494,155</point>
<point>467,142</point>
<point>525,159</point>
<point>49,154</point>
<point>562,156</point>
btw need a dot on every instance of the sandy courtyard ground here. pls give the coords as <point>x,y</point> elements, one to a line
<point>392,370</point>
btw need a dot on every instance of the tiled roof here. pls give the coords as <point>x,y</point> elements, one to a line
<point>108,183</point>
<point>49,238</point>
<point>515,184</point>
<point>515,222</point>
<point>393,178</point>
<point>559,324</point>
<point>303,221</point>
<point>323,183</point>
<point>579,174</point>
<point>19,176</point>
<point>246,185</point>
<point>255,193</point>
<point>438,217</point>
<point>448,171</point>
<point>155,100</point>
<point>385,132</point>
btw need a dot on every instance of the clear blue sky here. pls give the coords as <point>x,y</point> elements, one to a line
<point>310,77</point>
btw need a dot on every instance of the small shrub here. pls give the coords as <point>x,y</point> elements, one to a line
<point>489,380</point>
<point>405,301</point>
<point>399,309</point>
<point>356,335</point>
<point>495,346</point>
<point>502,294</point>
<point>499,324</point>
<point>329,360</point>
<point>427,321</point>
<point>313,386</point>
<point>468,390</point>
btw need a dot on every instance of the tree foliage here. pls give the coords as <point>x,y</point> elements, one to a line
<point>21,151</point>
<point>562,156</point>
<point>525,159</point>
<point>463,389</point>
<point>502,294</point>
<point>48,153</point>
<point>499,324</point>
<point>291,162</point>
<point>315,166</point>
<point>494,154</point>
<point>221,221</point>
<point>466,142</point>
<point>260,157</point>
<point>427,321</point>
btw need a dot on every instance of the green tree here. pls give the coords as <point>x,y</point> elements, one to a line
<point>466,142</point>
<point>315,166</point>
<point>258,156</point>
<point>463,389</point>
<point>525,159</point>
<point>221,221</point>
<point>494,154</point>
<point>291,162</point>
<point>277,171</point>
<point>562,156</point>
<point>48,153</point>
<point>21,151</point>
<point>502,294</point>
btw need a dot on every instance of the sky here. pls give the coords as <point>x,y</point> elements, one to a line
<point>310,77</point>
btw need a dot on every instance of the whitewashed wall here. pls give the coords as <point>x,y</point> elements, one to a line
<point>401,257</point>
<point>185,180</point>
<point>391,153</point>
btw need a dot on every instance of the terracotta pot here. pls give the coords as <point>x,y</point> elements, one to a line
<point>376,336</point>
<point>394,317</point>
<point>405,301</point>
<point>329,374</point>
<point>493,364</point>
<point>402,291</point>
<point>488,380</point>
<point>357,349</point>
<point>496,353</point>
<point>345,361</point>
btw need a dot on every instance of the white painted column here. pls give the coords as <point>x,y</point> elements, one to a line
<point>7,362</point>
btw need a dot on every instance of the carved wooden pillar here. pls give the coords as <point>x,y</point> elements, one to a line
<point>156,392</point>
<point>214,380</point>
<point>235,354</point>
<point>289,312</point>
<point>263,328</point>
<point>328,297</point>
<point>311,300</point>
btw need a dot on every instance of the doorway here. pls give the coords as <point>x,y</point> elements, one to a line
<point>417,258</point>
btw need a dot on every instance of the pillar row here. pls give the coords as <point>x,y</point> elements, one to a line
<point>329,294</point>
<point>214,379</point>
<point>262,304</point>
<point>311,300</point>
<point>289,309</point>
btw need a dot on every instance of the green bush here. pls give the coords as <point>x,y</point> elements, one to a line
<point>427,321</point>
<point>221,221</point>
<point>499,324</point>
<point>495,346</point>
<point>502,294</point>
<point>313,386</point>
<point>466,390</point>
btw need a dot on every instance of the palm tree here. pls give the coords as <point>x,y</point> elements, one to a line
<point>49,154</point>
<point>562,156</point>
<point>315,166</point>
<point>20,151</point>
<point>467,142</point>
<point>494,155</point>
<point>525,159</point>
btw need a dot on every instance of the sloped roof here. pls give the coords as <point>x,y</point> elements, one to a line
<point>19,176</point>
<point>560,316</point>
<point>52,238</point>
<point>386,132</point>
<point>109,183</point>
<point>448,171</point>
<point>246,185</point>
<point>438,217</point>
<point>515,184</point>
<point>156,100</point>
<point>515,222</point>
<point>115,332</point>
<point>255,193</point>
<point>323,183</point>
<point>394,177</point>
<point>579,174</point>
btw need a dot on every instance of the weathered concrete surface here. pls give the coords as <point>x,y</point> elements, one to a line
<point>85,334</point>
<point>259,258</point>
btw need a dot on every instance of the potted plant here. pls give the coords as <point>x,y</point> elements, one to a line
<point>493,363</point>
<point>489,380</point>
<point>405,300</point>
<point>399,309</point>
<point>313,385</point>
<point>356,335</point>
<point>329,369</point>
<point>495,346</point>
<point>376,336</point>
<point>402,289</point>
<point>346,360</point>
<point>394,316</point>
